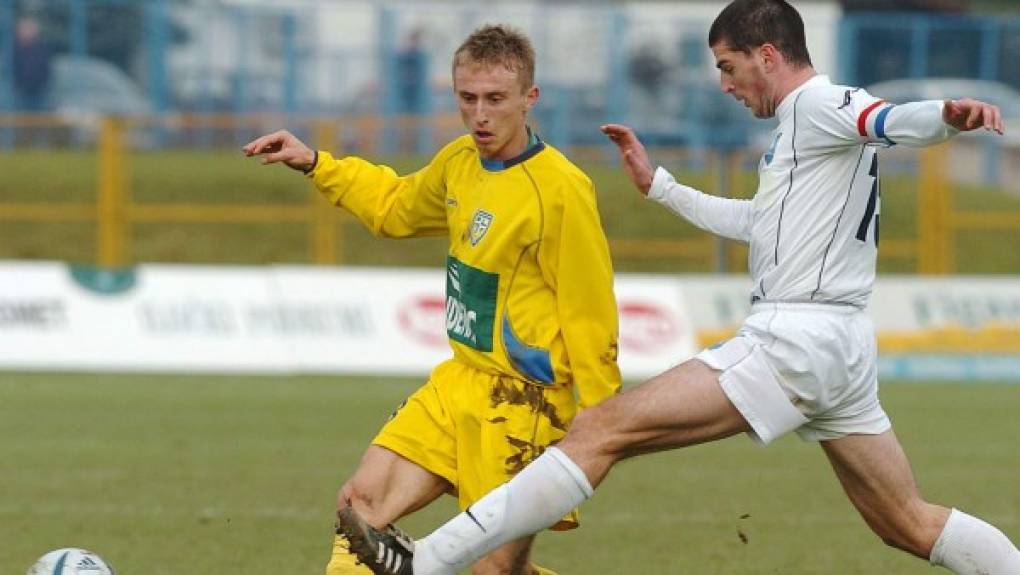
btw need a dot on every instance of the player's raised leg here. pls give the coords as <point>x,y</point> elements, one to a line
<point>384,488</point>
<point>878,480</point>
<point>684,406</point>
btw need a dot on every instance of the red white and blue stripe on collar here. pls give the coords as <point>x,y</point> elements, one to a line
<point>871,122</point>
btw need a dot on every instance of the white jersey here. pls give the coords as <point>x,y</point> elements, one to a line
<point>812,225</point>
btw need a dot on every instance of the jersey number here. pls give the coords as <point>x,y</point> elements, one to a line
<point>869,212</point>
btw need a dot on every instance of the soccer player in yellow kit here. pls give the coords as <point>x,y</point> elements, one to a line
<point>530,310</point>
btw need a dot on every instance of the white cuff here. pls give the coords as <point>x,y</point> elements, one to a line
<point>951,131</point>
<point>660,183</point>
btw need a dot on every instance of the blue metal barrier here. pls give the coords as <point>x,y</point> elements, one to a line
<point>926,45</point>
<point>231,68</point>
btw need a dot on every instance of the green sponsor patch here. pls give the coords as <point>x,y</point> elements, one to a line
<point>470,304</point>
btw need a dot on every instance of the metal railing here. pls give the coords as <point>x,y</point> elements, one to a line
<point>115,213</point>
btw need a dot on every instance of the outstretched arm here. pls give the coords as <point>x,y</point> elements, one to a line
<point>387,204</point>
<point>721,216</point>
<point>866,118</point>
<point>282,146</point>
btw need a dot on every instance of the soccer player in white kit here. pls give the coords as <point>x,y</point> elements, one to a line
<point>805,359</point>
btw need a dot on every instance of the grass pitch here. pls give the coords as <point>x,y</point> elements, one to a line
<point>215,475</point>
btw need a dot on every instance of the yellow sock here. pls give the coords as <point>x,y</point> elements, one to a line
<point>343,562</point>
<point>539,570</point>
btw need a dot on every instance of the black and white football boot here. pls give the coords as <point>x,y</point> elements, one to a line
<point>386,552</point>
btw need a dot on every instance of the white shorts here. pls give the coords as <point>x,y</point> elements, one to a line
<point>805,367</point>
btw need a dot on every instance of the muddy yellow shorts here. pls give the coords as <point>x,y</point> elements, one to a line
<point>477,430</point>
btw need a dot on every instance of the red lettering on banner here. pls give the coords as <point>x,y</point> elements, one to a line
<point>646,327</point>
<point>423,319</point>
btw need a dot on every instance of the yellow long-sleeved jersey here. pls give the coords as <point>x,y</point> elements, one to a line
<point>529,288</point>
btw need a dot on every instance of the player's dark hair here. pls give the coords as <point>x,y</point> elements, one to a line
<point>499,45</point>
<point>748,24</point>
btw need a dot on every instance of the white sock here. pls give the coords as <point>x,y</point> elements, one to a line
<point>969,546</point>
<point>539,496</point>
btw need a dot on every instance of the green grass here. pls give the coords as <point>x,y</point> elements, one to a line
<point>213,475</point>
<point>224,176</point>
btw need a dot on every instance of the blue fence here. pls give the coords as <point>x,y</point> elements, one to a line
<point>598,62</point>
<point>886,46</point>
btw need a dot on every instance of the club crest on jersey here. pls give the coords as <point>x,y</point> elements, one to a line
<point>480,224</point>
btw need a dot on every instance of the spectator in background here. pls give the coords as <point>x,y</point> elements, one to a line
<point>412,74</point>
<point>412,85</point>
<point>31,67</point>
<point>648,70</point>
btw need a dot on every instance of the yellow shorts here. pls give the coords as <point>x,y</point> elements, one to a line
<point>477,430</point>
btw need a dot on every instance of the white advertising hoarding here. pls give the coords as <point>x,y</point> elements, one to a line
<point>274,319</point>
<point>300,319</point>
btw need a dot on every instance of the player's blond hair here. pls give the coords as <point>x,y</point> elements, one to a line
<point>499,45</point>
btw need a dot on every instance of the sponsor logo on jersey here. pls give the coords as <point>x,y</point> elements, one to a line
<point>480,224</point>
<point>771,153</point>
<point>848,96</point>
<point>470,304</point>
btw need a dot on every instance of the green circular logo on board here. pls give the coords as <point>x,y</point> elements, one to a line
<point>106,281</point>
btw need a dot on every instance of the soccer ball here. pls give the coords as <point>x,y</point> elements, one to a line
<point>70,561</point>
